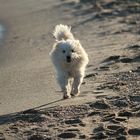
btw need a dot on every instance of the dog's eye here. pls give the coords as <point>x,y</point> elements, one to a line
<point>63,51</point>
<point>72,50</point>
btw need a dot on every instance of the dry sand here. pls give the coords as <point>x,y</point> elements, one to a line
<point>31,106</point>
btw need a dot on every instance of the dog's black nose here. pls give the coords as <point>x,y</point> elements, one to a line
<point>68,59</point>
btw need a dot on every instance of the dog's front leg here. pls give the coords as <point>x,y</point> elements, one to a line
<point>76,85</point>
<point>64,84</point>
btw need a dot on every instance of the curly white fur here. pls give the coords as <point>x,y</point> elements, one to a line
<point>69,59</point>
<point>62,32</point>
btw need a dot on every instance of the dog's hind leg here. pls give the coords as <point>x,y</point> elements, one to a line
<point>65,86</point>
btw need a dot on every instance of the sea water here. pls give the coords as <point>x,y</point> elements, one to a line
<point>1,33</point>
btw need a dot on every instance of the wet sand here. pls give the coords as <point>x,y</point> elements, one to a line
<point>31,106</point>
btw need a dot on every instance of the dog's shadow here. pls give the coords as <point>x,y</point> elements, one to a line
<point>29,115</point>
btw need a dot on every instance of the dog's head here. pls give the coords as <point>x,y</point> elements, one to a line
<point>68,51</point>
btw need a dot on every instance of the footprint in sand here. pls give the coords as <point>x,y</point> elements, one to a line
<point>108,117</point>
<point>135,47</point>
<point>109,63</point>
<point>120,103</point>
<point>91,75</point>
<point>2,136</point>
<point>111,58</point>
<point>73,121</point>
<point>114,127</point>
<point>136,110</point>
<point>121,137</point>
<point>99,129</point>
<point>39,137</point>
<point>99,135</point>
<point>120,119</point>
<point>134,131</point>
<point>104,68</point>
<point>125,113</point>
<point>67,135</point>
<point>134,98</point>
<point>72,130</point>
<point>94,113</point>
<point>136,70</point>
<point>126,60</point>
<point>82,136</point>
<point>100,104</point>
<point>115,133</point>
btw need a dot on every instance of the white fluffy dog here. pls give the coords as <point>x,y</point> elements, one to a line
<point>69,59</point>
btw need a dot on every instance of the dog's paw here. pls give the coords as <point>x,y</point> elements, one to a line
<point>74,95</point>
<point>66,96</point>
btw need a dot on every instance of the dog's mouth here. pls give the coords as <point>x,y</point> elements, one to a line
<point>68,58</point>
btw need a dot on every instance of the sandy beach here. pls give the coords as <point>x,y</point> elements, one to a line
<point>31,104</point>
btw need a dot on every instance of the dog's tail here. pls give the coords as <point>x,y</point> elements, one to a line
<point>62,32</point>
